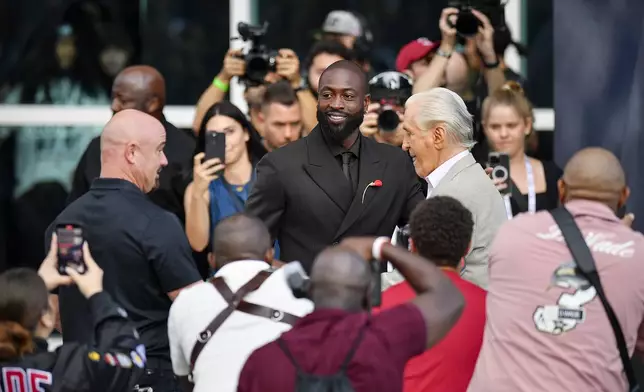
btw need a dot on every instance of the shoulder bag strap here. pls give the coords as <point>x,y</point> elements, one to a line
<point>354,348</point>
<point>239,203</point>
<point>586,264</point>
<point>206,334</point>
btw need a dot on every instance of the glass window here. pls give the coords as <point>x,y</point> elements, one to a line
<point>186,40</point>
<point>393,23</point>
<point>538,31</point>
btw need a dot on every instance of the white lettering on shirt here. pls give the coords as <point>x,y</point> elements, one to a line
<point>597,242</point>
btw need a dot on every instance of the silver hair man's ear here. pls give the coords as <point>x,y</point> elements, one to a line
<point>442,105</point>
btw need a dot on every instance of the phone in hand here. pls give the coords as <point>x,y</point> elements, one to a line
<point>500,164</point>
<point>215,146</point>
<point>70,248</point>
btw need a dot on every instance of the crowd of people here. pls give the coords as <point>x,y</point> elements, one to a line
<point>352,236</point>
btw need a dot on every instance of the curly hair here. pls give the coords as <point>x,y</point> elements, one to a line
<point>441,228</point>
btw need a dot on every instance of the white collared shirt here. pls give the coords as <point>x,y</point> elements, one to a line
<point>224,356</point>
<point>440,172</point>
<point>392,277</point>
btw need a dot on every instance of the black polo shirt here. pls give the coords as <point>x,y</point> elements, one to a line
<point>143,252</point>
<point>179,150</point>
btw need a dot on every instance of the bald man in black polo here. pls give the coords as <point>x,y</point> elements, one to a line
<point>334,183</point>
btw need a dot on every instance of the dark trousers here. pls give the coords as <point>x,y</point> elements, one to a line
<point>158,377</point>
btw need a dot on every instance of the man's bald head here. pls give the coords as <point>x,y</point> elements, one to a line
<point>139,87</point>
<point>340,279</point>
<point>132,145</point>
<point>241,237</point>
<point>358,77</point>
<point>594,174</point>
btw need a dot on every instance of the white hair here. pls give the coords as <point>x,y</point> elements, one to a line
<point>440,105</point>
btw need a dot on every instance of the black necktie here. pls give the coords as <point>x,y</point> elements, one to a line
<point>346,161</point>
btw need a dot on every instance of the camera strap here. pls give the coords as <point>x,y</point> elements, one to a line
<point>235,302</point>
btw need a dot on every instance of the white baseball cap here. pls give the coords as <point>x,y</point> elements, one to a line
<point>342,22</point>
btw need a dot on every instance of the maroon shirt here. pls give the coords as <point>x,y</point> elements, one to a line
<point>321,341</point>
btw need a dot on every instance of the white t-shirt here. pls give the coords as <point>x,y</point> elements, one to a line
<point>223,357</point>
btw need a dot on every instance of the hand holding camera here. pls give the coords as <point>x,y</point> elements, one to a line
<point>499,170</point>
<point>369,126</point>
<point>485,38</point>
<point>476,19</point>
<point>288,67</point>
<point>447,25</point>
<point>234,65</point>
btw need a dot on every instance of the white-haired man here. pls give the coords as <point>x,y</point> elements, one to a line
<point>438,135</point>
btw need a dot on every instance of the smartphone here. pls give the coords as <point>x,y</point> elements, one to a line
<point>215,145</point>
<point>70,248</point>
<point>500,164</point>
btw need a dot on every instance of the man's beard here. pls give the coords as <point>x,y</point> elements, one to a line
<point>340,132</point>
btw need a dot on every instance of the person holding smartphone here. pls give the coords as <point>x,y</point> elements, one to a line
<point>228,147</point>
<point>114,362</point>
<point>507,122</point>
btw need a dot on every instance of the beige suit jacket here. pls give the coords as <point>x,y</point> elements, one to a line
<point>467,182</point>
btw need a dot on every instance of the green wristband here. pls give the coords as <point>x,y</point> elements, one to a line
<point>223,86</point>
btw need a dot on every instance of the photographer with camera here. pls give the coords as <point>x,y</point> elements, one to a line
<point>383,121</point>
<point>453,19</point>
<point>340,345</point>
<point>257,68</point>
<point>441,229</point>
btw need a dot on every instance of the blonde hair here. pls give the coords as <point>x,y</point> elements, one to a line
<point>510,94</point>
<point>440,105</point>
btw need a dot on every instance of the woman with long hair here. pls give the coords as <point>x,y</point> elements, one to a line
<point>27,319</point>
<point>507,122</point>
<point>220,189</point>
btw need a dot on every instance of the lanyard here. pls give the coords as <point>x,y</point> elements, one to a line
<point>532,195</point>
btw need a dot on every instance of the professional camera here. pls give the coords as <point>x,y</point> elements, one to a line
<point>390,89</point>
<point>403,236</point>
<point>467,24</point>
<point>259,59</point>
<point>300,283</point>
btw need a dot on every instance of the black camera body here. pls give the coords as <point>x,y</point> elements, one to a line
<point>259,60</point>
<point>467,24</point>
<point>390,89</point>
<point>403,235</point>
<point>300,283</point>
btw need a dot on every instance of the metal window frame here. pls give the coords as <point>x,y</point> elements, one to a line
<point>182,116</point>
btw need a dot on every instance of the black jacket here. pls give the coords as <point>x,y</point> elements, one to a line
<point>306,202</point>
<point>115,363</point>
<point>179,149</point>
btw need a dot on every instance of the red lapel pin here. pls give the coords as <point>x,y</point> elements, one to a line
<point>375,184</point>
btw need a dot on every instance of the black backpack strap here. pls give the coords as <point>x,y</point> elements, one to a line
<point>586,265</point>
<point>354,347</point>
<point>282,345</point>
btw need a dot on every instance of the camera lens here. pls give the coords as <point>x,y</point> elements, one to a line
<point>256,68</point>
<point>500,173</point>
<point>388,120</point>
<point>467,23</point>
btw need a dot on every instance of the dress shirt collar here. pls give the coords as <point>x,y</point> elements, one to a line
<point>242,268</point>
<point>440,172</point>
<point>114,184</point>
<point>337,149</point>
